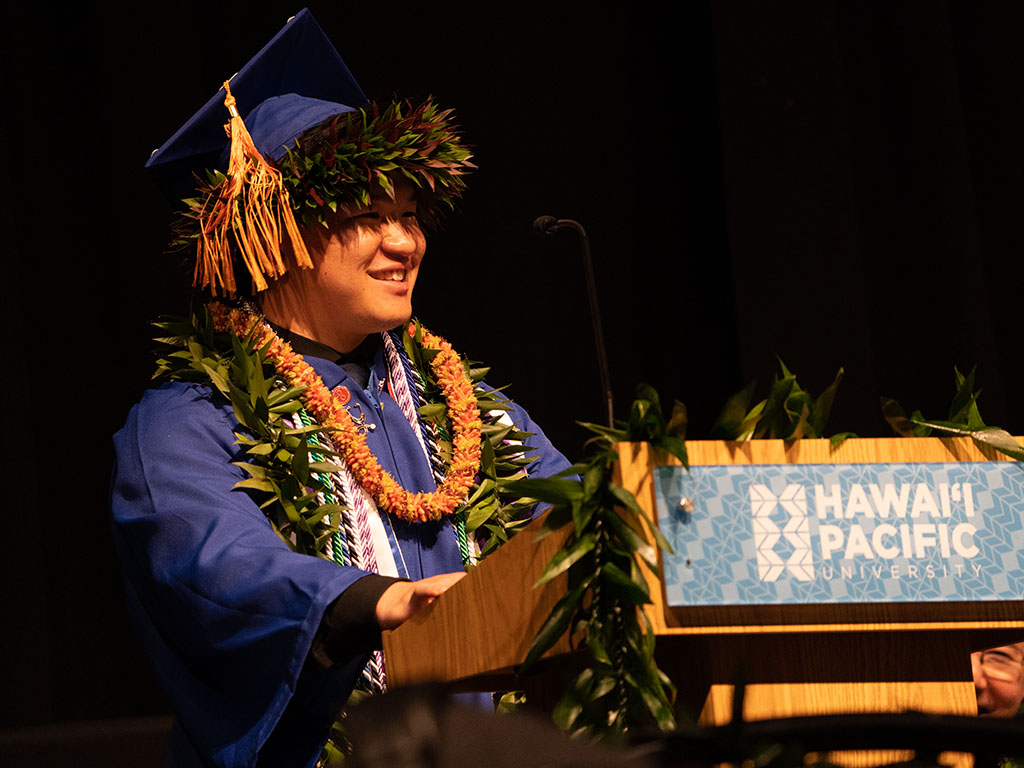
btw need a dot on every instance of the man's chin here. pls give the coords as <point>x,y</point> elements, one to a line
<point>400,320</point>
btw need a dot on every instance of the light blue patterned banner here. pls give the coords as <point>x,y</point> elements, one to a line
<point>842,533</point>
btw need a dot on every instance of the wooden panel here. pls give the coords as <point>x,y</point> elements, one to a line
<point>853,451</point>
<point>763,701</point>
<point>485,624</point>
<point>820,657</point>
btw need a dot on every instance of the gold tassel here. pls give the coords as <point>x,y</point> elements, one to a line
<point>246,212</point>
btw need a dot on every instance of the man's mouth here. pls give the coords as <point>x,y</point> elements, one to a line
<point>389,275</point>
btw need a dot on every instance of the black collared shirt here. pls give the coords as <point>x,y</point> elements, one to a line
<point>356,363</point>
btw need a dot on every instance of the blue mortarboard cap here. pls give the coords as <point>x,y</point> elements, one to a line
<point>277,122</point>
<point>295,82</point>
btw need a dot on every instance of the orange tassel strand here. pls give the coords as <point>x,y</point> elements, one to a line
<point>246,214</point>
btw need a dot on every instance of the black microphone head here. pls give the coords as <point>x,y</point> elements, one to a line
<point>545,225</point>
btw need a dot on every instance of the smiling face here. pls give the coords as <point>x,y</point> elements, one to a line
<point>364,272</point>
<point>999,680</point>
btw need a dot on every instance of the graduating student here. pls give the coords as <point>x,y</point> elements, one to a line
<point>314,467</point>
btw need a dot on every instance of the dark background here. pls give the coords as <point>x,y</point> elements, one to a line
<point>836,183</point>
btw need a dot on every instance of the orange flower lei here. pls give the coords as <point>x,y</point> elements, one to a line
<point>351,444</point>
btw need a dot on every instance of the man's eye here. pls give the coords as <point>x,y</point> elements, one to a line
<point>367,216</point>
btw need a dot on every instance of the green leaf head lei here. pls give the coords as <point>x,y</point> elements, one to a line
<point>338,163</point>
<point>335,165</point>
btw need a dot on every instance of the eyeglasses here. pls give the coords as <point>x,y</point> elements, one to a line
<point>1001,663</point>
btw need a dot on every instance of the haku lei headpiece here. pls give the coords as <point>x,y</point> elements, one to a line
<point>350,444</point>
<point>364,148</point>
<point>246,211</point>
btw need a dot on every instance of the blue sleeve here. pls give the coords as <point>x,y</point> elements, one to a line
<point>549,461</point>
<point>226,610</point>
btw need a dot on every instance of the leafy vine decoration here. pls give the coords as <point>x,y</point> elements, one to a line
<point>964,420</point>
<point>789,412</point>
<point>621,688</point>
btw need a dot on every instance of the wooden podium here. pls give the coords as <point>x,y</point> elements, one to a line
<point>796,659</point>
<point>477,632</point>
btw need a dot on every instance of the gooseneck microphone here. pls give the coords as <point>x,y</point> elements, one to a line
<point>549,225</point>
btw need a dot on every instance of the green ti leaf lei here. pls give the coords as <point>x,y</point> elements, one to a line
<point>288,465</point>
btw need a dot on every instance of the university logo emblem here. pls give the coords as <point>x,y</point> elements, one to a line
<point>767,533</point>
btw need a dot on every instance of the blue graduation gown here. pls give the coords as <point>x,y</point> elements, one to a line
<point>225,610</point>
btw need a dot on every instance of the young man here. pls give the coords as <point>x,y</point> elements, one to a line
<point>302,479</point>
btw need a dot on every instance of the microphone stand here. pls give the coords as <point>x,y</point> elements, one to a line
<point>548,225</point>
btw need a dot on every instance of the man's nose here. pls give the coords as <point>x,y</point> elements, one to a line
<point>398,239</point>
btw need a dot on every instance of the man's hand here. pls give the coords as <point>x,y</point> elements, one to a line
<point>404,599</point>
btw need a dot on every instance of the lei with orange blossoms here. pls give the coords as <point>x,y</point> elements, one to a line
<point>350,443</point>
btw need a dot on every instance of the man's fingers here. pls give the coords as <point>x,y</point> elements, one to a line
<point>405,599</point>
<point>432,586</point>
